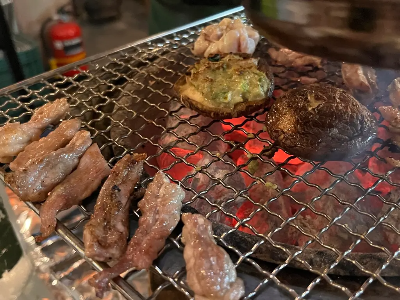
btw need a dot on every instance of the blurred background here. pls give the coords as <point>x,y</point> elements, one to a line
<point>84,28</point>
<point>50,34</point>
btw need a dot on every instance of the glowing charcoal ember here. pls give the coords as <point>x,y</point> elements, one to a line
<point>258,221</point>
<point>244,128</point>
<point>179,130</point>
<point>320,176</point>
<point>383,132</point>
<point>255,145</point>
<point>214,192</point>
<point>261,219</point>
<point>380,168</point>
<point>236,135</point>
<point>188,124</point>
<point>179,169</point>
<point>332,204</point>
<point>259,168</point>
<point>262,193</point>
<point>236,154</point>
<point>390,235</point>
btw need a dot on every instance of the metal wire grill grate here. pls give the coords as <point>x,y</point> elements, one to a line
<point>126,102</point>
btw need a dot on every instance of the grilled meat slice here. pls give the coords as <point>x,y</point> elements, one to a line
<point>394,90</point>
<point>290,58</point>
<point>392,115</point>
<point>210,271</point>
<point>105,235</point>
<point>80,184</point>
<point>37,180</point>
<point>321,122</point>
<point>229,36</point>
<point>361,81</point>
<point>57,139</point>
<point>14,137</point>
<point>160,208</point>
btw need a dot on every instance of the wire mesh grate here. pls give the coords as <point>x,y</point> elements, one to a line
<point>335,223</point>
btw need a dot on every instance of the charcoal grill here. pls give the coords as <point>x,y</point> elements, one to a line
<point>124,100</point>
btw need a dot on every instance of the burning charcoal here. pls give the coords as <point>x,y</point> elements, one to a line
<point>332,206</point>
<point>186,150</point>
<point>392,238</point>
<point>245,128</point>
<point>183,149</point>
<point>380,168</point>
<point>336,236</point>
<point>178,169</point>
<point>216,192</point>
<point>263,221</point>
<point>183,130</point>
<point>254,145</point>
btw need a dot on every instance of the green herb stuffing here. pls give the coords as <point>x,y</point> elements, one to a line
<point>229,81</point>
<point>253,166</point>
<point>271,185</point>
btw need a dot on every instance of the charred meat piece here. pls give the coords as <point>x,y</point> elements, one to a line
<point>37,180</point>
<point>229,36</point>
<point>14,137</point>
<point>227,86</point>
<point>55,140</point>
<point>80,184</point>
<point>361,81</point>
<point>394,90</point>
<point>210,271</point>
<point>392,115</point>
<point>105,235</point>
<point>290,58</point>
<point>160,208</point>
<point>393,162</point>
<point>321,122</point>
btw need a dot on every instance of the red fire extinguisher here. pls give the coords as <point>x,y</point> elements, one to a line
<point>66,43</point>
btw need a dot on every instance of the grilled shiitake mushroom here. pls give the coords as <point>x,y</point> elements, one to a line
<point>226,86</point>
<point>321,122</point>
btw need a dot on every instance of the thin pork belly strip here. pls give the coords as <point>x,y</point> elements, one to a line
<point>57,139</point>
<point>210,271</point>
<point>38,180</point>
<point>79,185</point>
<point>160,208</point>
<point>14,137</point>
<point>105,235</point>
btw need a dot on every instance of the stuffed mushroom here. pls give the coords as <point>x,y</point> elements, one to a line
<point>226,86</point>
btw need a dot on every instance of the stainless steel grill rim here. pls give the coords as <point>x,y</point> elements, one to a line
<point>124,77</point>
